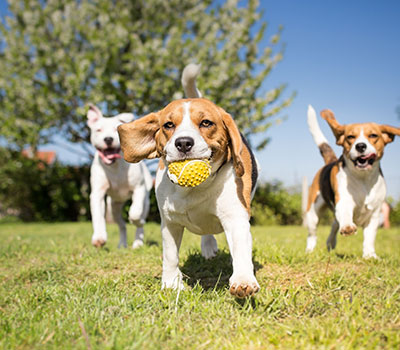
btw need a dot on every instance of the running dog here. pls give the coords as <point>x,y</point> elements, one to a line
<point>195,128</point>
<point>353,185</point>
<point>110,175</point>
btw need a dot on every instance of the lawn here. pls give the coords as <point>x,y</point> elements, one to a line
<point>58,292</point>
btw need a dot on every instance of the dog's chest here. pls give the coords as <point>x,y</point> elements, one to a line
<point>196,213</point>
<point>194,208</point>
<point>119,190</point>
<point>120,182</point>
<point>367,195</point>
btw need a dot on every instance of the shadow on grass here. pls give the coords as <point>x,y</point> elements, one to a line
<point>151,242</point>
<point>345,256</point>
<point>210,274</point>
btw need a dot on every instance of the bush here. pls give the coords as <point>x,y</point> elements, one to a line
<point>35,191</point>
<point>394,212</point>
<point>273,204</point>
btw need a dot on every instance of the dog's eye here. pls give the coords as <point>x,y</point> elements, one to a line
<point>373,136</point>
<point>169,125</point>
<point>99,130</point>
<point>205,123</point>
<point>350,137</point>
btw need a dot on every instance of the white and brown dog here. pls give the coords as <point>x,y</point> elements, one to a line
<point>196,128</point>
<point>353,185</point>
<point>110,175</point>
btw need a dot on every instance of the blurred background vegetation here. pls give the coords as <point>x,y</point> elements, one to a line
<point>32,190</point>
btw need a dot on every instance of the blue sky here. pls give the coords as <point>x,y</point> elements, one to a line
<point>342,55</point>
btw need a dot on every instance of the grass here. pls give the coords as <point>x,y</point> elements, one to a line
<point>58,292</point>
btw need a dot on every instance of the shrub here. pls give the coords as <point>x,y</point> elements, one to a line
<point>273,204</point>
<point>35,191</point>
<point>394,212</point>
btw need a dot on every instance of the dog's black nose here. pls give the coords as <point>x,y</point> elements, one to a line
<point>108,141</point>
<point>361,147</point>
<point>184,144</point>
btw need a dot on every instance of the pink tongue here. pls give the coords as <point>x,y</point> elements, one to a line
<point>107,157</point>
<point>113,156</point>
<point>369,156</point>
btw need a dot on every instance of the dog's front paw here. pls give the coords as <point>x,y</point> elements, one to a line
<point>137,243</point>
<point>348,230</point>
<point>371,255</point>
<point>173,282</point>
<point>242,287</point>
<point>98,243</point>
<point>209,247</point>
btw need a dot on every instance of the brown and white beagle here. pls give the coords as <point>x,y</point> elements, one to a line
<point>353,185</point>
<point>196,128</point>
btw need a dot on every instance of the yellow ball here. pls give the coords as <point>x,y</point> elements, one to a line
<point>190,172</point>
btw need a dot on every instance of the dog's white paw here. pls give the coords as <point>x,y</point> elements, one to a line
<point>242,286</point>
<point>311,243</point>
<point>99,240</point>
<point>209,247</point>
<point>348,230</point>
<point>371,255</point>
<point>173,282</point>
<point>137,243</point>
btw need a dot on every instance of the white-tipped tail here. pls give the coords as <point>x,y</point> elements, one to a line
<point>188,80</point>
<point>313,125</point>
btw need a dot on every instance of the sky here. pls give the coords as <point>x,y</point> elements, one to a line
<point>343,55</point>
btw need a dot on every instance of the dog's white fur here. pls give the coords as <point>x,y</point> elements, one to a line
<point>360,192</point>
<point>111,176</point>
<point>210,208</point>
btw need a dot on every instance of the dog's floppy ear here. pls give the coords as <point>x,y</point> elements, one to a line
<point>138,138</point>
<point>389,132</point>
<point>338,129</point>
<point>93,115</point>
<point>235,142</point>
<point>126,117</point>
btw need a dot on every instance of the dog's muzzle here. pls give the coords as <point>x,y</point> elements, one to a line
<point>365,162</point>
<point>109,155</point>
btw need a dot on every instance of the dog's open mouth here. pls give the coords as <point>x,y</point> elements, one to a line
<point>109,155</point>
<point>365,162</point>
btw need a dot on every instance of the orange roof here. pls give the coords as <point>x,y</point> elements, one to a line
<point>47,157</point>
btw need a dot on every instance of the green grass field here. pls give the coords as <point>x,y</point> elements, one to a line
<point>58,292</point>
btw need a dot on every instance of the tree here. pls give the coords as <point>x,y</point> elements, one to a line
<point>127,55</point>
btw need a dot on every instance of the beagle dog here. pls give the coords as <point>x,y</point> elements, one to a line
<point>195,128</point>
<point>353,185</point>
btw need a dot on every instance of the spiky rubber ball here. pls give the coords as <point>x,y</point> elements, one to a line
<point>189,172</point>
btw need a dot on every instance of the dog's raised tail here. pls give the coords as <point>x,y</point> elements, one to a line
<point>188,80</point>
<point>326,151</point>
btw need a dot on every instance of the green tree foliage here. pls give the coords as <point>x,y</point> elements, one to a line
<point>126,55</point>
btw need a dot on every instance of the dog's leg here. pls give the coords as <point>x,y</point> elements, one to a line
<point>97,209</point>
<point>331,241</point>
<point>243,282</point>
<point>209,247</point>
<point>117,215</point>
<point>172,238</point>
<point>344,215</point>
<point>312,218</point>
<point>138,213</point>
<point>370,232</point>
